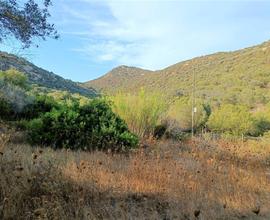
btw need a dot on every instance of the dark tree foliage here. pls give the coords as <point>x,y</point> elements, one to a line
<point>93,126</point>
<point>25,20</point>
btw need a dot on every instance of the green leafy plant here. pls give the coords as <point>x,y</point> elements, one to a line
<point>40,105</point>
<point>14,77</point>
<point>14,90</point>
<point>91,126</point>
<point>232,119</point>
<point>6,110</point>
<point>262,121</point>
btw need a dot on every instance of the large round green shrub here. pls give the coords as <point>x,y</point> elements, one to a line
<point>232,119</point>
<point>88,127</point>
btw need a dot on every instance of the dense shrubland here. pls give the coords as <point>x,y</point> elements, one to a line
<point>239,77</point>
<point>233,119</point>
<point>151,114</point>
<point>216,176</point>
<point>239,120</point>
<point>58,119</point>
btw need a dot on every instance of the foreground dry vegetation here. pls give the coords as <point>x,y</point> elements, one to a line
<point>197,179</point>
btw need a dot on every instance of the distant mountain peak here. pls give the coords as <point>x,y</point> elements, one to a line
<point>117,77</point>
<point>127,69</point>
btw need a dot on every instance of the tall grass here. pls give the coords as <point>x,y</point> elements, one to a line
<point>169,180</point>
<point>180,111</point>
<point>142,112</point>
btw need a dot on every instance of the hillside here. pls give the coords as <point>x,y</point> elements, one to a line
<point>240,76</point>
<point>119,78</point>
<point>42,77</point>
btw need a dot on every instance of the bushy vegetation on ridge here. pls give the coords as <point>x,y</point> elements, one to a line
<point>238,77</point>
<point>62,120</point>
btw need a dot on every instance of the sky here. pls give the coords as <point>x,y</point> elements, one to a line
<point>98,35</point>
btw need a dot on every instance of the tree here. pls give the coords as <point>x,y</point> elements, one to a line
<point>25,21</point>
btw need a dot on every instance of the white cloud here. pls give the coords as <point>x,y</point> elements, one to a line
<point>153,34</point>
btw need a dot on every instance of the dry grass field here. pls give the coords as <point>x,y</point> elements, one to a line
<point>197,179</point>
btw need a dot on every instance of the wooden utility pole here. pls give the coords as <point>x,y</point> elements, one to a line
<point>193,103</point>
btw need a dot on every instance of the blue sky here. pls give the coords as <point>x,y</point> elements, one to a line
<point>97,36</point>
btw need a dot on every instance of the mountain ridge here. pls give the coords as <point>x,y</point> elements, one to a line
<point>221,76</point>
<point>42,77</point>
<point>125,73</point>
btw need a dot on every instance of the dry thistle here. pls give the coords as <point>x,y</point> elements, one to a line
<point>19,168</point>
<point>197,213</point>
<point>34,156</point>
<point>256,210</point>
<point>39,212</point>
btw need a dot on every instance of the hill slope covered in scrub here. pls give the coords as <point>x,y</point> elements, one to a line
<point>242,76</point>
<point>42,77</point>
<point>119,78</point>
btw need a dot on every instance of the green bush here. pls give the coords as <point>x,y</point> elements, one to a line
<point>6,111</point>
<point>91,126</point>
<point>232,119</point>
<point>40,105</point>
<point>262,120</point>
<point>266,135</point>
<point>18,101</point>
<point>14,77</point>
<point>20,106</point>
<point>15,91</point>
<point>262,124</point>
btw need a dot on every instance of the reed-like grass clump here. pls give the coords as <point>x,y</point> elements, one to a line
<point>142,112</point>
